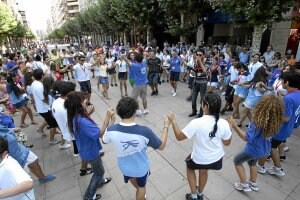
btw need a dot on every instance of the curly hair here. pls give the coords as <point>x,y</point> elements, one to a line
<point>268,115</point>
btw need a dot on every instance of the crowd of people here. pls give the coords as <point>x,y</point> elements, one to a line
<point>37,82</point>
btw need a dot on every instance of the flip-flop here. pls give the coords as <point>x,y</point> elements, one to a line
<point>98,196</point>
<point>107,180</point>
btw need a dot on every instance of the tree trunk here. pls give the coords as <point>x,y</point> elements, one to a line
<point>125,39</point>
<point>148,35</point>
<point>182,38</point>
<point>256,38</point>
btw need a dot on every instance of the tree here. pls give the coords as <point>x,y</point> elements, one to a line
<point>7,19</point>
<point>182,16</point>
<point>259,13</point>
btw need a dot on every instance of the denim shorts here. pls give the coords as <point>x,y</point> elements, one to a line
<point>252,102</point>
<point>103,80</point>
<point>242,157</point>
<point>20,104</point>
<point>153,78</point>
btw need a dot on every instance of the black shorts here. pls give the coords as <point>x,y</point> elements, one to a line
<point>49,119</point>
<point>111,71</point>
<point>192,165</point>
<point>122,75</point>
<point>141,181</point>
<point>275,143</point>
<point>85,86</point>
<point>174,76</point>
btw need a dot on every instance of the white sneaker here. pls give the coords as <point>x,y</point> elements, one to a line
<point>261,169</point>
<point>174,94</point>
<point>146,112</point>
<point>286,148</point>
<point>75,155</point>
<point>276,171</point>
<point>223,93</point>
<point>54,141</point>
<point>253,186</point>
<point>64,146</point>
<point>138,113</point>
<point>242,187</point>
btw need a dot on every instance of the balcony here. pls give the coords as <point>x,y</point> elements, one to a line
<point>73,11</point>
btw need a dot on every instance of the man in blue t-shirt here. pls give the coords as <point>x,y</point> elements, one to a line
<point>139,72</point>
<point>291,82</point>
<point>131,141</point>
<point>175,63</point>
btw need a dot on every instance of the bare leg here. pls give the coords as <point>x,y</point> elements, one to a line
<point>275,157</point>
<point>30,114</point>
<point>203,174</point>
<point>125,87</point>
<point>52,133</point>
<point>23,115</point>
<point>262,161</point>
<point>191,175</point>
<point>144,103</point>
<point>241,173</point>
<point>244,115</point>
<point>253,173</point>
<point>36,169</point>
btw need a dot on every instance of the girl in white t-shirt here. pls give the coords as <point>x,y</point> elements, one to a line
<point>211,133</point>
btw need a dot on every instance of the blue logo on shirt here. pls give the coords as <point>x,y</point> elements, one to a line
<point>127,144</point>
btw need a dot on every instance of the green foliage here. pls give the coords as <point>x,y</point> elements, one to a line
<point>190,11</point>
<point>257,12</point>
<point>7,20</point>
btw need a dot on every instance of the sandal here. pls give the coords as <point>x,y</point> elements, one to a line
<point>98,196</point>
<point>34,123</point>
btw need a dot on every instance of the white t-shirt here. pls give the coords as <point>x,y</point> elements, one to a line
<point>37,89</point>
<point>60,114</point>
<point>40,65</point>
<point>96,70</point>
<point>253,68</point>
<point>122,65</point>
<point>166,61</point>
<point>29,65</point>
<point>277,85</point>
<point>233,75</point>
<point>110,61</point>
<point>82,72</point>
<point>11,174</point>
<point>205,149</point>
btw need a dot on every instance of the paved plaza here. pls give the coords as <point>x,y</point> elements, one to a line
<point>168,177</point>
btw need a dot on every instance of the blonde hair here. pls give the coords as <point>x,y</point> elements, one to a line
<point>268,115</point>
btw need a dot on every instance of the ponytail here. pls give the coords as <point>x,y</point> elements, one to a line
<point>213,101</point>
<point>212,134</point>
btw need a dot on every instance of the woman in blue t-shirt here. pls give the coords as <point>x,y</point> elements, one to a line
<point>87,134</point>
<point>267,119</point>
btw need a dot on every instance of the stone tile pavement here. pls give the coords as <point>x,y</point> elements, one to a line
<point>168,178</point>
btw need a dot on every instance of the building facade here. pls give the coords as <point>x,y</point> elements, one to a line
<point>62,10</point>
<point>18,10</point>
<point>84,4</point>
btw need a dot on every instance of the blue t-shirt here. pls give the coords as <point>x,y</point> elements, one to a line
<point>292,106</point>
<point>130,143</point>
<point>275,74</point>
<point>175,64</point>
<point>131,75</point>
<point>10,65</point>
<point>257,145</point>
<point>6,121</point>
<point>87,138</point>
<point>16,149</point>
<point>139,72</point>
<point>244,57</point>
